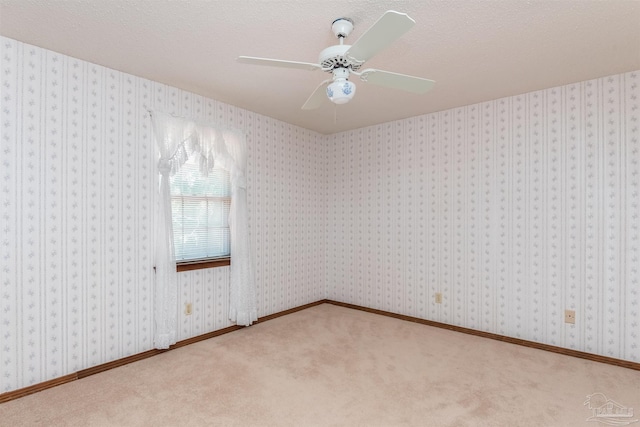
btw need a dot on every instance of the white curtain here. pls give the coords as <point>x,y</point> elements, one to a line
<point>171,134</point>
<point>242,307</point>
<point>177,139</point>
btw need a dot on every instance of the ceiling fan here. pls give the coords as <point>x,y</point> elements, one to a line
<point>342,60</point>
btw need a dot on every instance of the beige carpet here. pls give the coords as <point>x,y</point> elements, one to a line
<point>334,366</point>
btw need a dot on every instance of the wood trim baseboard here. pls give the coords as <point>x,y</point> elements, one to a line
<point>291,310</point>
<point>140,356</point>
<point>203,337</point>
<point>540,346</point>
<point>116,363</point>
<point>5,397</point>
<point>15,394</point>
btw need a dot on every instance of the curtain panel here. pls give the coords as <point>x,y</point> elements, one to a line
<point>177,139</point>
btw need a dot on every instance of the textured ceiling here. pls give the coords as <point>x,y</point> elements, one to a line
<point>474,50</point>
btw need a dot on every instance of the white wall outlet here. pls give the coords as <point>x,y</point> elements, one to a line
<point>570,316</point>
<point>188,308</point>
<point>438,298</point>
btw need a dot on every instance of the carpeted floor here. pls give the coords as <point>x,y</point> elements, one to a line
<point>334,366</point>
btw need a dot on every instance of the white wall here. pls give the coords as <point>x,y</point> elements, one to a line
<point>77,191</point>
<point>513,209</point>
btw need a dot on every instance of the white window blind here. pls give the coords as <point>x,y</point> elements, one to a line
<point>200,209</point>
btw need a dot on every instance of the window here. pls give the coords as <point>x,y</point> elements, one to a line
<point>200,209</point>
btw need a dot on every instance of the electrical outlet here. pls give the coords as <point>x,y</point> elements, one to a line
<point>570,316</point>
<point>187,308</point>
<point>438,298</point>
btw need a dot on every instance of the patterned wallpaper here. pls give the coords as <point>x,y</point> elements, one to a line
<point>76,197</point>
<point>513,209</point>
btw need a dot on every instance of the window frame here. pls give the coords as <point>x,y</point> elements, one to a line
<point>202,263</point>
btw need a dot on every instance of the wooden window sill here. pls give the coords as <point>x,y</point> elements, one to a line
<point>207,263</point>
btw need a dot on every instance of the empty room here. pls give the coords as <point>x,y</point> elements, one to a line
<point>319,213</point>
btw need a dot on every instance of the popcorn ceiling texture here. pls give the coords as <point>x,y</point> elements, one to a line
<point>475,50</point>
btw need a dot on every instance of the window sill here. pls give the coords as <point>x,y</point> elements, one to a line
<point>207,263</point>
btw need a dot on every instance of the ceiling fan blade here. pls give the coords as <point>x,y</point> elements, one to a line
<point>396,81</point>
<point>279,63</point>
<point>317,97</point>
<point>385,31</point>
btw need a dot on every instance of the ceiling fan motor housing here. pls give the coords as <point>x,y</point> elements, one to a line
<point>333,57</point>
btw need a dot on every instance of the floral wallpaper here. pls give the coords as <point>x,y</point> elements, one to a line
<point>77,189</point>
<point>514,210</point>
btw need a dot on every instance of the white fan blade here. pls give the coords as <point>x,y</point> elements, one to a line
<point>396,81</point>
<point>385,31</point>
<point>279,63</point>
<point>317,97</point>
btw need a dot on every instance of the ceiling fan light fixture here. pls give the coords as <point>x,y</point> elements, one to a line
<point>341,91</point>
<point>342,60</point>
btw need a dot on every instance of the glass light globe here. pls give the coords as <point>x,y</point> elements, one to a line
<point>341,91</point>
